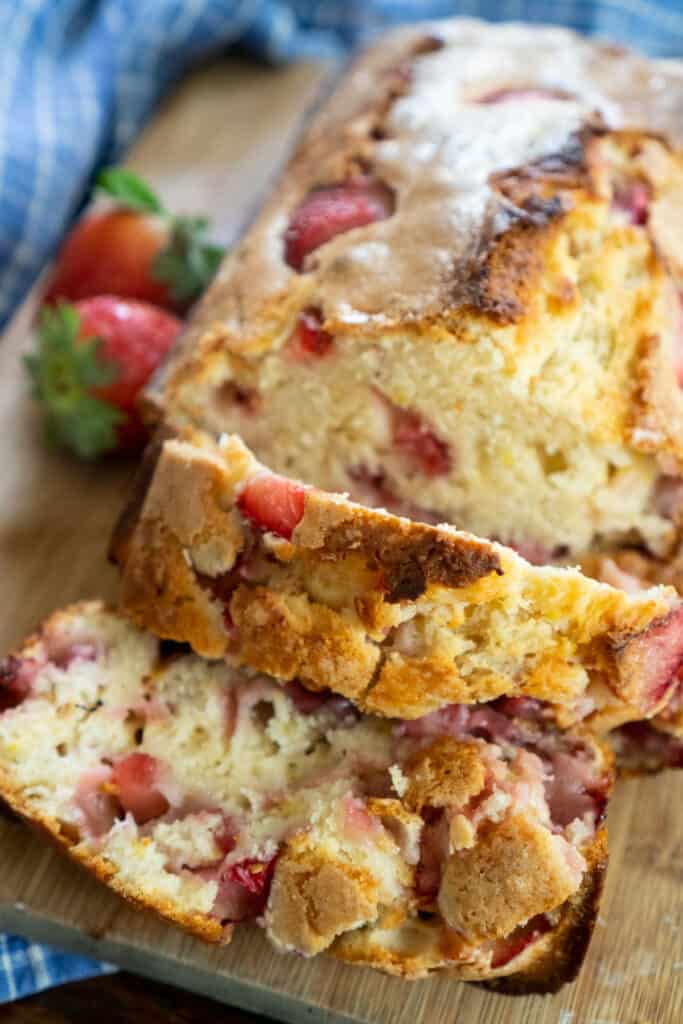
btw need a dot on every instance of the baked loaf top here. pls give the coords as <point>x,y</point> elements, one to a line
<point>401,617</point>
<point>466,842</point>
<point>461,300</point>
<point>433,112</point>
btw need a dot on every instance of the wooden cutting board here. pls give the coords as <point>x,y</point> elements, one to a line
<point>214,147</point>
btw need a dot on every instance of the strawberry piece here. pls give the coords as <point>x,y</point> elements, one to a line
<point>92,362</point>
<point>433,855</point>
<point>273,503</point>
<point>530,93</point>
<point>226,834</point>
<point>519,707</point>
<point>327,212</point>
<point>65,654</point>
<point>16,679</point>
<point>533,551</point>
<point>678,345</point>
<point>658,657</point>
<point>99,808</point>
<point>569,788</point>
<point>111,254</point>
<point>135,779</point>
<point>308,338</point>
<point>643,742</point>
<point>137,251</point>
<point>242,888</point>
<point>253,875</point>
<point>512,945</point>
<point>358,822</point>
<point>451,720</point>
<point>305,701</point>
<point>633,199</point>
<point>415,439</point>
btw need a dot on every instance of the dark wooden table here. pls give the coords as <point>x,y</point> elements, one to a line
<point>119,998</point>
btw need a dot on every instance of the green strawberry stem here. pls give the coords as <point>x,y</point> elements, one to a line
<point>188,263</point>
<point>63,371</point>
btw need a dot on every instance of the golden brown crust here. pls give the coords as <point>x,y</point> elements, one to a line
<point>200,925</point>
<point>448,771</point>
<point>302,639</point>
<point>315,897</point>
<point>410,555</point>
<point>510,875</point>
<point>420,947</point>
<point>562,957</point>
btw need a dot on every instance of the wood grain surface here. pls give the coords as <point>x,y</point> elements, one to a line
<point>213,147</point>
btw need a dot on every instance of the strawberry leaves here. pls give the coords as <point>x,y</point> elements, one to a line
<point>129,190</point>
<point>188,262</point>
<point>63,372</point>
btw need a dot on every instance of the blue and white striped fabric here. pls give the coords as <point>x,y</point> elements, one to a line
<point>26,968</point>
<point>78,80</point>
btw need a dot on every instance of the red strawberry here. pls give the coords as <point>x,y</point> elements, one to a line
<point>633,199</point>
<point>93,360</point>
<point>678,344</point>
<point>16,677</point>
<point>135,780</point>
<point>273,503</point>
<point>242,888</point>
<point>136,251</point>
<point>308,338</point>
<point>507,948</point>
<point>421,445</point>
<point>326,212</point>
<point>110,253</point>
<point>253,875</point>
<point>226,834</point>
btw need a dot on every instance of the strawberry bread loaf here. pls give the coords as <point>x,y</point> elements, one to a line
<point>470,841</point>
<point>461,302</point>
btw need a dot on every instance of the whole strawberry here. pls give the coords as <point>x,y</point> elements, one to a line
<point>92,361</point>
<point>138,250</point>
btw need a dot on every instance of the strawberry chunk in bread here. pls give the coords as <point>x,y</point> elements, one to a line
<point>273,503</point>
<point>657,743</point>
<point>332,210</point>
<point>215,797</point>
<point>401,617</point>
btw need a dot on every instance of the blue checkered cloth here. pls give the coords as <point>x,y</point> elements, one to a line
<point>80,77</point>
<point>27,967</point>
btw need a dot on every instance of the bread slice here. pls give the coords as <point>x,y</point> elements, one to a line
<point>467,312</point>
<point>468,840</point>
<point>402,618</point>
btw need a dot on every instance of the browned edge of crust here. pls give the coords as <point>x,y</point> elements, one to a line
<point>562,961</point>
<point>199,925</point>
<point>411,554</point>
